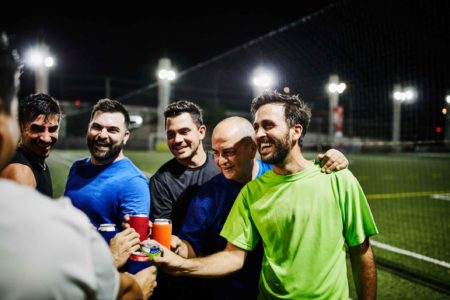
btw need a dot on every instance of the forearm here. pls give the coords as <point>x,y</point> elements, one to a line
<point>215,265</point>
<point>364,271</point>
<point>129,288</point>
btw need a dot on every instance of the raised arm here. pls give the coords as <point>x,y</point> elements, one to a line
<point>364,272</point>
<point>218,264</point>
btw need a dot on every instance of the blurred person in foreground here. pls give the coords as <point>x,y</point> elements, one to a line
<point>107,185</point>
<point>48,249</point>
<point>39,119</point>
<point>303,217</point>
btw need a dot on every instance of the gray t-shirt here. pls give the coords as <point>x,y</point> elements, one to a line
<point>49,250</point>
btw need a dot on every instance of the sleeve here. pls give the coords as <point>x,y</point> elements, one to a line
<point>239,228</point>
<point>135,197</point>
<point>194,228</point>
<point>69,176</point>
<point>161,203</point>
<point>86,258</point>
<point>358,221</point>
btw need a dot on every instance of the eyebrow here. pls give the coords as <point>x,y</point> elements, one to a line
<point>107,127</point>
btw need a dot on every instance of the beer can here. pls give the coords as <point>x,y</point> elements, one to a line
<point>150,249</point>
<point>162,232</point>
<point>137,262</point>
<point>139,223</point>
<point>108,231</point>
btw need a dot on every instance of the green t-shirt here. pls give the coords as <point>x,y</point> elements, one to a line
<point>304,221</point>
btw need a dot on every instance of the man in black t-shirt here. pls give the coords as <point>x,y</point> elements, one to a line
<point>177,181</point>
<point>39,117</point>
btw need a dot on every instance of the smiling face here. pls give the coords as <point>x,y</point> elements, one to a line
<point>106,137</point>
<point>234,149</point>
<point>39,135</point>
<point>184,137</point>
<point>272,133</point>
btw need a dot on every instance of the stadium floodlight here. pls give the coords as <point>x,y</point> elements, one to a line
<point>40,60</point>
<point>400,95</point>
<point>165,76</point>
<point>335,113</point>
<point>262,79</point>
<point>336,88</point>
<point>447,99</point>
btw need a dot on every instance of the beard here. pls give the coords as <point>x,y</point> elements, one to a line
<point>110,154</point>
<point>280,152</point>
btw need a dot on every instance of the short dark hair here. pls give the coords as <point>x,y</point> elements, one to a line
<point>10,67</point>
<point>37,104</point>
<point>111,106</point>
<point>295,110</point>
<point>184,106</point>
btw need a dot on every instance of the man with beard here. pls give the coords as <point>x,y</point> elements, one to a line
<point>303,217</point>
<point>178,180</point>
<point>39,118</point>
<point>48,249</point>
<point>107,185</point>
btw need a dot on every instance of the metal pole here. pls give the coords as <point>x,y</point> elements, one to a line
<point>163,99</point>
<point>41,72</point>
<point>396,117</point>
<point>333,100</point>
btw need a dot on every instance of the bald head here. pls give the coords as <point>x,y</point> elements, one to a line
<point>233,127</point>
<point>234,148</point>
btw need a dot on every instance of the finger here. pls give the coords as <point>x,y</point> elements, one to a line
<point>320,156</point>
<point>332,167</point>
<point>135,248</point>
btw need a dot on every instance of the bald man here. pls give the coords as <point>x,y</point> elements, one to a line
<point>234,151</point>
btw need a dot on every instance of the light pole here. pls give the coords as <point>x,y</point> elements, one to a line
<point>165,76</point>
<point>446,112</point>
<point>41,61</point>
<point>335,112</point>
<point>262,80</point>
<point>400,95</point>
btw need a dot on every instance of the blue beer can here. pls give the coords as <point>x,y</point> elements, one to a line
<point>108,231</point>
<point>150,249</point>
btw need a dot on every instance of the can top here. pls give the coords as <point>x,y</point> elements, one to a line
<point>162,221</point>
<point>107,227</point>
<point>139,215</point>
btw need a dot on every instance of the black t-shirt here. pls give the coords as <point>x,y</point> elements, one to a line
<point>41,172</point>
<point>174,185</point>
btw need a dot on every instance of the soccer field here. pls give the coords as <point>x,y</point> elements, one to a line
<point>409,195</point>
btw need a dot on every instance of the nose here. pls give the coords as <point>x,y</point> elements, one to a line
<point>221,159</point>
<point>45,137</point>
<point>259,133</point>
<point>103,133</point>
<point>178,138</point>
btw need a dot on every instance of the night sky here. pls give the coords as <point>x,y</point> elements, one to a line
<point>126,44</point>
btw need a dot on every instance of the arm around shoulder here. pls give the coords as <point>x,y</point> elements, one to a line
<point>19,173</point>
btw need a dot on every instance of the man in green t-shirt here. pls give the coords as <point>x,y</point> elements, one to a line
<point>303,217</point>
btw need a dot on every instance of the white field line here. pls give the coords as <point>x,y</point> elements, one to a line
<point>68,160</point>
<point>410,254</point>
<point>445,197</point>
